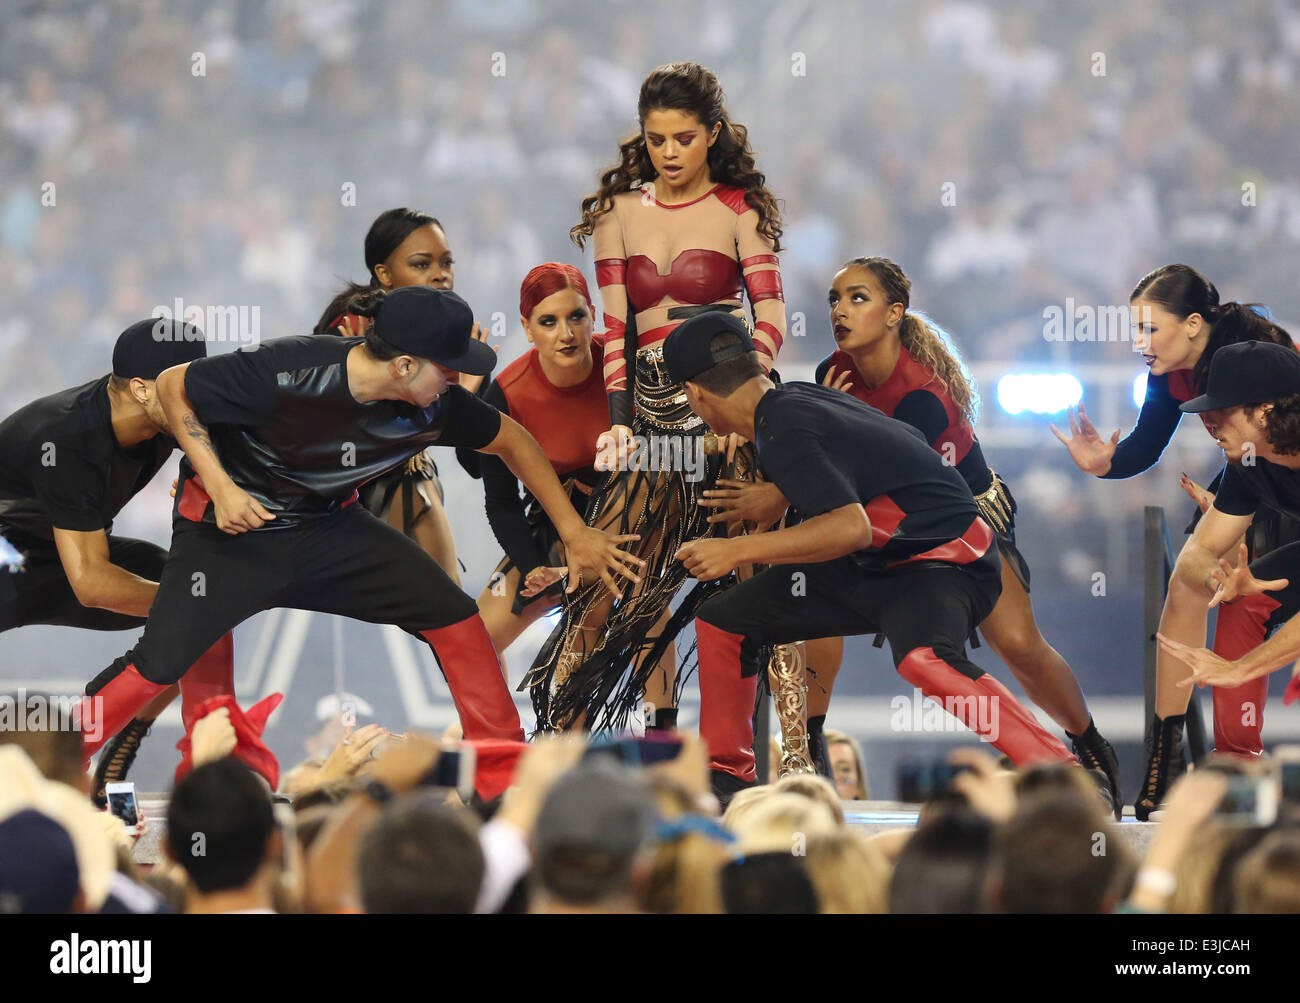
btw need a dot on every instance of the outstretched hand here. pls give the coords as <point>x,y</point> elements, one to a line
<point>1091,453</point>
<point>353,751</point>
<point>595,553</point>
<point>540,579</point>
<point>757,502</point>
<point>547,758</point>
<point>1208,669</point>
<point>1203,498</point>
<point>1234,583</point>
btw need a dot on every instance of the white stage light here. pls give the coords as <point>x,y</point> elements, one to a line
<point>1038,393</point>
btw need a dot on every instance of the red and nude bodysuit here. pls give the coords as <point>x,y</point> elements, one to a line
<point>652,258</point>
<point>656,265</point>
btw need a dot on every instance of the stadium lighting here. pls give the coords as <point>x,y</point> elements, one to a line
<point>1038,393</point>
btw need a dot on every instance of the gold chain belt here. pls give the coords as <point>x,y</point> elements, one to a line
<point>659,401</point>
<point>995,505</point>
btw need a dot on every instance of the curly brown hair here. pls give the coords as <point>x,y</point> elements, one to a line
<point>1282,425</point>
<point>921,338</point>
<point>692,88</point>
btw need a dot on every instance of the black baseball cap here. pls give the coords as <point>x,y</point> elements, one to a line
<point>148,347</point>
<point>433,324</point>
<point>687,352</point>
<point>1249,372</point>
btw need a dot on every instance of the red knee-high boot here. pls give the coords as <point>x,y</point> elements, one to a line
<point>985,706</point>
<point>477,682</point>
<point>213,675</point>
<point>1239,710</point>
<point>104,713</point>
<point>726,702</point>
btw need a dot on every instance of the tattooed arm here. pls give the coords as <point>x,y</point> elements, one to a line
<point>236,511</point>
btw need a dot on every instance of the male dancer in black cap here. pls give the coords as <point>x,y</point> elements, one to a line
<point>265,510</point>
<point>891,541</point>
<point>1252,409</point>
<point>69,463</point>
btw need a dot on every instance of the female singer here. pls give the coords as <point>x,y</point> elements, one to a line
<point>683,223</point>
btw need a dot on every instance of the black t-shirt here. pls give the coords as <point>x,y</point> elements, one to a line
<point>1244,489</point>
<point>61,466</point>
<point>825,449</point>
<point>924,410</point>
<point>289,432</point>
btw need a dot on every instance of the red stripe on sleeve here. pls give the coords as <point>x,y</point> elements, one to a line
<point>765,332</point>
<point>764,285</point>
<point>611,272</point>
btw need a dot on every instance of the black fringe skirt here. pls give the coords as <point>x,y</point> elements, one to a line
<point>596,676</point>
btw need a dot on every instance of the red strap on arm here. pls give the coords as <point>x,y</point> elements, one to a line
<point>761,344</point>
<point>764,285</point>
<point>611,272</point>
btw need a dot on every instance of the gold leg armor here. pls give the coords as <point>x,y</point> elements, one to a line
<point>790,695</point>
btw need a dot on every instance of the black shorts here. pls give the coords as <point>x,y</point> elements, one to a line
<point>410,478</point>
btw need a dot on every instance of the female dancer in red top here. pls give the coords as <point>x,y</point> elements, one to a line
<point>1180,325</point>
<point>404,248</point>
<point>683,223</point>
<point>556,390</point>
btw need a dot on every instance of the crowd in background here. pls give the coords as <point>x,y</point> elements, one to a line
<point>233,154</point>
<point>201,150</point>
<point>364,830</point>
